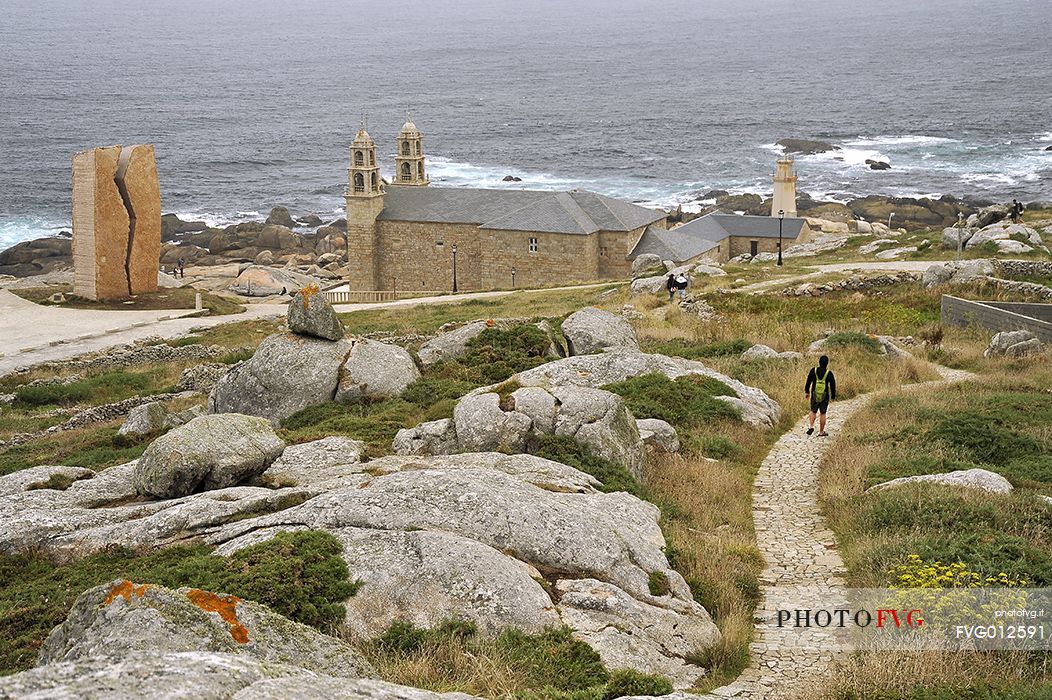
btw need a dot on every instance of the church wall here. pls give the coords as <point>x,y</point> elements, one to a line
<point>410,257</point>
<point>560,258</point>
<point>614,247</point>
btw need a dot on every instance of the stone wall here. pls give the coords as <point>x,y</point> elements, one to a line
<point>999,317</point>
<point>418,256</point>
<point>740,245</point>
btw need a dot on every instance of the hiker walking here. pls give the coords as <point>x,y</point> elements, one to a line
<point>182,272</point>
<point>820,388</point>
<point>682,283</point>
<point>670,285</point>
<point>1017,211</point>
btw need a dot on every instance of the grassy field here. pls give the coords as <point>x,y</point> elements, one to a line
<point>1000,422</point>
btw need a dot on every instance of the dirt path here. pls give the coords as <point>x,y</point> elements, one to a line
<point>31,334</point>
<point>819,270</point>
<point>803,568</point>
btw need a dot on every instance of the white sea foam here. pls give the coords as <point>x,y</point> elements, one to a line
<point>906,140</point>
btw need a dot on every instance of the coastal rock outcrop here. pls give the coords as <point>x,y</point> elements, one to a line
<point>978,479</point>
<point>644,262</point>
<point>658,434</point>
<point>122,618</point>
<point>806,146</point>
<point>765,352</point>
<point>281,217</point>
<point>202,676</point>
<point>592,330</point>
<point>463,536</point>
<point>375,370</point>
<point>958,272</point>
<point>1013,344</point>
<point>596,371</point>
<point>287,374</point>
<point>209,452</point>
<point>485,421</point>
<point>310,314</point>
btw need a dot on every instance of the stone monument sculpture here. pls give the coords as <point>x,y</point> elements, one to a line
<point>116,222</point>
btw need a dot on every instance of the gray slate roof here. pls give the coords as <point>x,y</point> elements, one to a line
<point>719,226</point>
<point>705,233</point>
<point>575,212</point>
<point>671,245</point>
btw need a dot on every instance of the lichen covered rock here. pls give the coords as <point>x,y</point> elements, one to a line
<point>592,330</point>
<point>310,313</point>
<point>210,452</point>
<point>287,374</point>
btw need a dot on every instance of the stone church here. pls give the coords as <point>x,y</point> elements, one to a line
<point>406,236</point>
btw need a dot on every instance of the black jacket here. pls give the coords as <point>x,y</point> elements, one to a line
<point>830,383</point>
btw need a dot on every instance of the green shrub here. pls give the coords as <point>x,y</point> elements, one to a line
<point>299,574</point>
<point>684,402</point>
<point>427,391</point>
<point>849,339</point>
<point>956,691</point>
<point>496,354</point>
<point>374,423</point>
<point>564,449</point>
<point>235,356</point>
<point>981,439</point>
<point>92,448</point>
<point>553,659</point>
<point>1009,534</point>
<point>626,682</point>
<point>693,351</point>
<point>98,389</point>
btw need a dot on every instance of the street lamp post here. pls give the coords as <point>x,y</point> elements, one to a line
<point>960,233</point>
<point>781,217</point>
<point>454,268</point>
<point>513,278</point>
<point>889,220</point>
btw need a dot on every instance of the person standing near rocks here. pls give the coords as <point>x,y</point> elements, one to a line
<point>182,264</point>
<point>820,388</point>
<point>682,282</point>
<point>670,285</point>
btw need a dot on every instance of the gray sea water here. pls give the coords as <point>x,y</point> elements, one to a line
<point>253,103</point>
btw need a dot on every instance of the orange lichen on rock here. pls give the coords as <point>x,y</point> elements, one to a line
<point>125,589</point>
<point>307,292</point>
<point>223,605</point>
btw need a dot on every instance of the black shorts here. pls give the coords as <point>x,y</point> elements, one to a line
<point>819,406</point>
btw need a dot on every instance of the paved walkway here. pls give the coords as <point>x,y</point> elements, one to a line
<point>31,334</point>
<point>819,270</point>
<point>803,568</point>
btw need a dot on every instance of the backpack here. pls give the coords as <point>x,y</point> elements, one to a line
<point>820,385</point>
<point>681,280</point>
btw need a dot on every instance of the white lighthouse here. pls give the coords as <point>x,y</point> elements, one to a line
<point>784,188</point>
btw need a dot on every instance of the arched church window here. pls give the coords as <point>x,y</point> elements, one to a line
<point>372,158</point>
<point>359,182</point>
<point>418,148</point>
<point>405,148</point>
<point>376,186</point>
<point>359,159</point>
<point>407,172</point>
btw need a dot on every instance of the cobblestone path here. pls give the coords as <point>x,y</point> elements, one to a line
<point>803,568</point>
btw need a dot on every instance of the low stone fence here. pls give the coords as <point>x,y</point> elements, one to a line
<point>1024,268</point>
<point>996,316</point>
<point>361,297</point>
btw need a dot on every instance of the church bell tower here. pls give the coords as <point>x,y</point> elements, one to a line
<point>365,201</point>
<point>409,161</point>
<point>784,188</point>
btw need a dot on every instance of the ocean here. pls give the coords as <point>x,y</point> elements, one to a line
<point>253,103</point>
